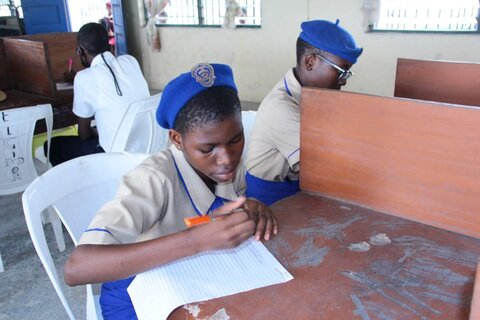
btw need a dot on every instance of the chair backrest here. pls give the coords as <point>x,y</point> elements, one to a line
<point>248,119</point>
<point>16,135</point>
<point>139,130</point>
<point>76,189</point>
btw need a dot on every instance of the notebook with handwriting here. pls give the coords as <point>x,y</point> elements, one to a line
<point>213,274</point>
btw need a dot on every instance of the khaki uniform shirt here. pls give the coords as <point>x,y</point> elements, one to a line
<point>274,147</point>
<point>153,199</point>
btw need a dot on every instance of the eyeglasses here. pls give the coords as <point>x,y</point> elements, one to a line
<point>79,51</point>
<point>343,74</point>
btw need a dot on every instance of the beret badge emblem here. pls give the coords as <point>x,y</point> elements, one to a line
<point>204,74</point>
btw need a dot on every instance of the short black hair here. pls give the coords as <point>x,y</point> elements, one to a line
<point>210,106</point>
<point>304,48</point>
<point>93,38</point>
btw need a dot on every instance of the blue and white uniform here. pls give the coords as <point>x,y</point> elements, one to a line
<point>273,154</point>
<point>95,93</point>
<point>152,201</point>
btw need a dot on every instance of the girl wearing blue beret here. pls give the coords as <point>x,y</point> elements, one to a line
<point>201,174</point>
<point>325,54</point>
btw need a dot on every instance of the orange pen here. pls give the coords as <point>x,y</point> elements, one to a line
<point>194,221</point>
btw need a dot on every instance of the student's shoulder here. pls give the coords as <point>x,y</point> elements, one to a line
<point>278,99</point>
<point>159,163</point>
<point>83,74</point>
<point>277,105</point>
<point>153,175</point>
<point>84,79</point>
<point>126,58</point>
<point>159,166</point>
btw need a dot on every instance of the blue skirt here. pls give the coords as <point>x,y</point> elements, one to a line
<point>270,191</point>
<point>115,300</point>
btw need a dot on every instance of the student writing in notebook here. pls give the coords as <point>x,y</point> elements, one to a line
<point>201,173</point>
<point>101,92</point>
<point>325,54</point>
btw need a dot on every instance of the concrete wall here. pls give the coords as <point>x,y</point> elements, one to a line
<point>260,57</point>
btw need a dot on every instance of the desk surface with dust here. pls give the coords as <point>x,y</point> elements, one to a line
<point>350,262</point>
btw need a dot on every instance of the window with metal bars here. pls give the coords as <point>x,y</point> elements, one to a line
<point>427,15</point>
<point>9,8</point>
<point>209,13</point>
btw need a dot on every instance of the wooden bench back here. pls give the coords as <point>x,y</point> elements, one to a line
<point>61,46</point>
<point>414,159</point>
<point>5,83</point>
<point>442,81</point>
<point>37,62</point>
<point>28,66</point>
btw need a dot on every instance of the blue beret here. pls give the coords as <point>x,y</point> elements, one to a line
<point>187,85</point>
<point>332,38</point>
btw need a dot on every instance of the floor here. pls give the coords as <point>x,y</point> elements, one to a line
<point>26,291</point>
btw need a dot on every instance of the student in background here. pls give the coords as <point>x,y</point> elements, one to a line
<point>325,54</point>
<point>103,91</point>
<point>201,174</point>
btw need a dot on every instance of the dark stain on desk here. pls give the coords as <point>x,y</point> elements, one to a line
<point>329,229</point>
<point>424,273</point>
<point>417,282</point>
<point>309,255</point>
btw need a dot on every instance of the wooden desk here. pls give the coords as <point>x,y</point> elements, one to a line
<point>425,271</point>
<point>61,105</point>
<point>30,67</point>
<point>442,81</point>
<point>416,160</point>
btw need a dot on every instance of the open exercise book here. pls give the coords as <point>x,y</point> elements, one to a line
<point>156,293</point>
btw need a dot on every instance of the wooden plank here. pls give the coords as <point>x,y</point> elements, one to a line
<point>475,307</point>
<point>442,81</point>
<point>414,159</point>
<point>60,47</point>
<point>423,273</point>
<point>28,66</point>
<point>5,83</point>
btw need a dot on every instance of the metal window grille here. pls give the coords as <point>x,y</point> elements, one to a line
<point>9,8</point>
<point>208,13</point>
<point>85,11</point>
<point>428,15</point>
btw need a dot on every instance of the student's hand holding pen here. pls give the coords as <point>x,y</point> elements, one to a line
<point>230,226</point>
<point>234,222</point>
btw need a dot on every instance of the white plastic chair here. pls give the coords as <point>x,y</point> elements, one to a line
<point>139,130</point>
<point>16,133</point>
<point>248,120</point>
<point>76,189</point>
<point>18,168</point>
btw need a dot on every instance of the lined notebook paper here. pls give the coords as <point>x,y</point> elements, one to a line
<point>156,293</point>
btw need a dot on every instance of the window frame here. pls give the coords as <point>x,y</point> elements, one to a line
<point>371,28</point>
<point>202,25</point>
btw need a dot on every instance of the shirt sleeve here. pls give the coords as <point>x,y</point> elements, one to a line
<point>139,204</point>
<point>84,87</point>
<point>284,132</point>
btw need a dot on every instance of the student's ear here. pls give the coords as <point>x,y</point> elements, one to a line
<point>176,138</point>
<point>309,61</point>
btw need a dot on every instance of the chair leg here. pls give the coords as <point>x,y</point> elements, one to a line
<point>40,155</point>
<point>51,216</point>
<point>1,264</point>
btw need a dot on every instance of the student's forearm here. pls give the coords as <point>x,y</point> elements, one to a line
<point>87,134</point>
<point>101,263</point>
<point>85,129</point>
